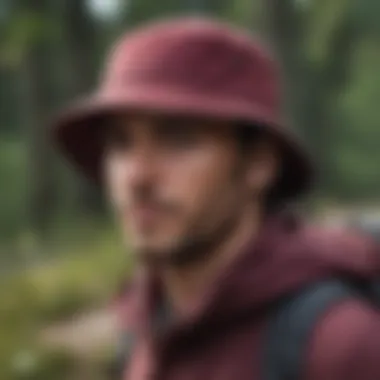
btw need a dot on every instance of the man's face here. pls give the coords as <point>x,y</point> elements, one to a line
<point>177,182</point>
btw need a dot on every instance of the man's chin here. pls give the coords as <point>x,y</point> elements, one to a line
<point>153,256</point>
<point>164,255</point>
<point>153,252</point>
<point>176,254</point>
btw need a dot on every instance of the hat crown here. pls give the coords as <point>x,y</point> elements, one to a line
<point>195,56</point>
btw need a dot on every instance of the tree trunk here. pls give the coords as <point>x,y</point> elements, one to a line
<point>81,44</point>
<point>311,91</point>
<point>36,92</point>
<point>285,33</point>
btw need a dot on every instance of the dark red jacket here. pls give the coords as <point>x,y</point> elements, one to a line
<point>224,339</point>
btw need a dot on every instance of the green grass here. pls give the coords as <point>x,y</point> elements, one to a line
<point>86,277</point>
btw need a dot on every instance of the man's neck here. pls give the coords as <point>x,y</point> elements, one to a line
<point>186,286</point>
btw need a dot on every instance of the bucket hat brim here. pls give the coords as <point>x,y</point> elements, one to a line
<point>77,131</point>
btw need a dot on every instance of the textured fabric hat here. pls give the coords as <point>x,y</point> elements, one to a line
<point>194,67</point>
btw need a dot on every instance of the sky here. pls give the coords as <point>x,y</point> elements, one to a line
<point>106,9</point>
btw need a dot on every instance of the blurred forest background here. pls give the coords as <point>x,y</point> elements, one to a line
<point>60,260</point>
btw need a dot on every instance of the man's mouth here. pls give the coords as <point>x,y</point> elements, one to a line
<point>146,216</point>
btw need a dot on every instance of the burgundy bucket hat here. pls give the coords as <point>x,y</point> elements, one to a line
<point>192,67</point>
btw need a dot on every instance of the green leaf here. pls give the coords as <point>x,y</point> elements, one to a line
<point>325,18</point>
<point>23,32</point>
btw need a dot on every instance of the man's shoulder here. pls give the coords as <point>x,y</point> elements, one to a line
<point>324,236</point>
<point>349,331</point>
<point>332,244</point>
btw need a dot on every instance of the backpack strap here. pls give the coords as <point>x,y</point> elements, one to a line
<point>293,324</point>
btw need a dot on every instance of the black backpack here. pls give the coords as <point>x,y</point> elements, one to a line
<point>291,326</point>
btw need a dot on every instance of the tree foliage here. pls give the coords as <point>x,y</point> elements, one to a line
<point>318,45</point>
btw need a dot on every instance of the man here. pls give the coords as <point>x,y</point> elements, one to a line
<point>185,133</point>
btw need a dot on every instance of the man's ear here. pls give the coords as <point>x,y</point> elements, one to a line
<point>263,166</point>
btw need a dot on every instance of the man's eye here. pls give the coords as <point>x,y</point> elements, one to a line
<point>117,140</point>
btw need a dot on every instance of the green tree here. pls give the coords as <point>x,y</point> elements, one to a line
<point>81,41</point>
<point>36,102</point>
<point>315,43</point>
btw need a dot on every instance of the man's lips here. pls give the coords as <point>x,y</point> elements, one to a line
<point>145,215</point>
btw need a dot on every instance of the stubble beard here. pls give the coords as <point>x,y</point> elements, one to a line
<point>196,245</point>
<point>202,240</point>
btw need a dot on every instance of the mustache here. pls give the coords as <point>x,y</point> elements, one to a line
<point>147,199</point>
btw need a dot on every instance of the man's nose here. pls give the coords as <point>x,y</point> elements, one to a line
<point>141,167</point>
